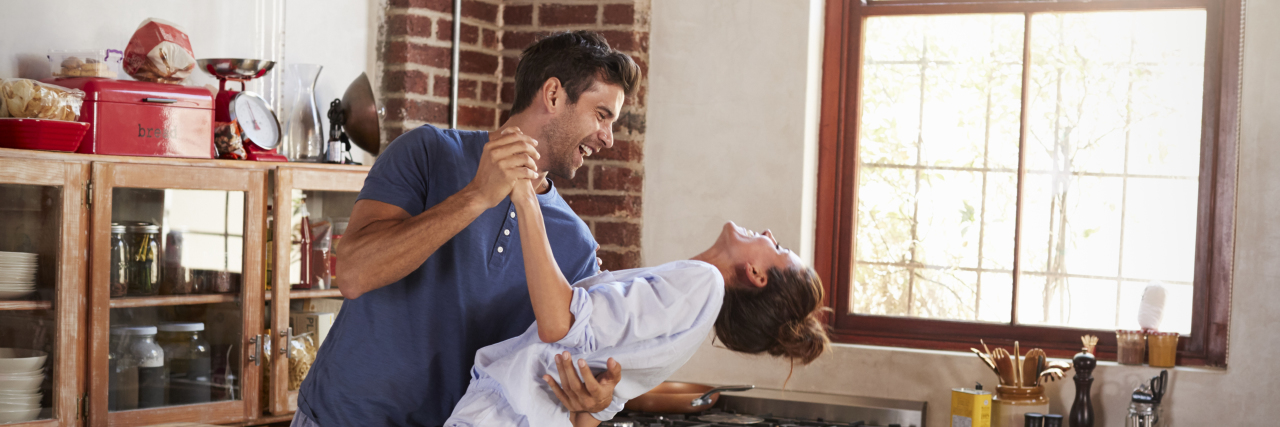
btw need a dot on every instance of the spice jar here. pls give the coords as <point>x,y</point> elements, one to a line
<point>1130,347</point>
<point>144,270</point>
<point>119,264</point>
<point>187,361</point>
<point>149,358</point>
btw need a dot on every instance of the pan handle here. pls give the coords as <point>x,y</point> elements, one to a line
<point>706,397</point>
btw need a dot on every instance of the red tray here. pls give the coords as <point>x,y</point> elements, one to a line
<point>40,134</point>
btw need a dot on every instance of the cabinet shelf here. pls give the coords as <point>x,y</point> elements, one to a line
<point>314,293</point>
<point>25,305</point>
<point>127,302</point>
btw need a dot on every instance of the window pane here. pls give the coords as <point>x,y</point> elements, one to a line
<point>938,150</point>
<point>1113,157</point>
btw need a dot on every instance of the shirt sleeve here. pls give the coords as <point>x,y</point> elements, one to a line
<point>657,304</point>
<point>400,176</point>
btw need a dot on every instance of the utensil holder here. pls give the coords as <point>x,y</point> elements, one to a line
<point>1162,349</point>
<point>1131,346</point>
<point>1011,404</point>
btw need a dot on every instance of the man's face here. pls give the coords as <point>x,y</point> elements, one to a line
<point>581,129</point>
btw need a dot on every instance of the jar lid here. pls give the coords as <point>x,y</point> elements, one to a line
<point>141,330</point>
<point>144,227</point>
<point>117,228</point>
<point>182,327</point>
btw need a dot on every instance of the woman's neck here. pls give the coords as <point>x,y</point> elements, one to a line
<point>720,260</point>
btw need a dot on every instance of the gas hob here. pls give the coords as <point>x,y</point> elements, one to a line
<point>776,408</point>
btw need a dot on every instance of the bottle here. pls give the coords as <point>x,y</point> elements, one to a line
<point>177,279</point>
<point>187,362</point>
<point>305,278</point>
<point>149,357</point>
<point>271,246</point>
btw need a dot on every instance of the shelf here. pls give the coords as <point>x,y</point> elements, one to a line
<point>25,305</point>
<point>315,293</point>
<point>127,302</point>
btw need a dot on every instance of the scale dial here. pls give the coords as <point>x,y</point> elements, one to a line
<point>257,123</point>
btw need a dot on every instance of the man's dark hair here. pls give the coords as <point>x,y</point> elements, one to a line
<point>576,58</point>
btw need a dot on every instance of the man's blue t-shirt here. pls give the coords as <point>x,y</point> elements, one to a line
<point>401,354</point>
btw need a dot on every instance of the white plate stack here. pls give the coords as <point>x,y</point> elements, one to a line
<point>21,374</point>
<point>17,274</point>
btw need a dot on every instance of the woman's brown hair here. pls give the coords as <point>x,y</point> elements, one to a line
<point>783,318</point>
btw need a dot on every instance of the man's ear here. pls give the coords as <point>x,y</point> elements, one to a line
<point>750,274</point>
<point>552,95</point>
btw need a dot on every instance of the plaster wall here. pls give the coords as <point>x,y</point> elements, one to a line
<point>731,136</point>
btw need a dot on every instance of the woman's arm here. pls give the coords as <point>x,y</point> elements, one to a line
<point>548,289</point>
<point>584,419</point>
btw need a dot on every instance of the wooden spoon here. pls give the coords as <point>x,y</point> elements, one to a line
<point>986,359</point>
<point>1052,374</point>
<point>1004,365</point>
<point>1031,367</point>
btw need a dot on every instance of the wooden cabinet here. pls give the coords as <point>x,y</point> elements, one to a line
<point>329,195</point>
<point>140,257</point>
<point>42,214</point>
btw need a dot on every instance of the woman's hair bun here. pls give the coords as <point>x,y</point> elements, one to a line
<point>803,340</point>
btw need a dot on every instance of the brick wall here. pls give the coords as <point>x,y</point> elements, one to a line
<point>416,63</point>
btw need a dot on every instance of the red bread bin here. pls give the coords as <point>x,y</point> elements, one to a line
<point>131,118</point>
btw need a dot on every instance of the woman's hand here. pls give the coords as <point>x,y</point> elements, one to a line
<point>524,192</point>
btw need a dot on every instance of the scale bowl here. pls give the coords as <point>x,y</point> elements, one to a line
<point>236,68</point>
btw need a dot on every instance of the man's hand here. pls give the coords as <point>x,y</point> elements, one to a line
<point>503,163</point>
<point>591,393</point>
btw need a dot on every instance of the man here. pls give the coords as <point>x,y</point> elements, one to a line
<point>432,267</point>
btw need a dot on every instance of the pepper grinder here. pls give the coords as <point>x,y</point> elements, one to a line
<point>1082,408</point>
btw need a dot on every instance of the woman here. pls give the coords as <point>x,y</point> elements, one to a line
<point>756,295</point>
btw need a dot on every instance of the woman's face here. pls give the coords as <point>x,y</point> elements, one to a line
<point>759,251</point>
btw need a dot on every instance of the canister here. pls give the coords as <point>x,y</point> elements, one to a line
<point>970,408</point>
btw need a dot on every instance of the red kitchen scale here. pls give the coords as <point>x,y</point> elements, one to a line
<point>249,115</point>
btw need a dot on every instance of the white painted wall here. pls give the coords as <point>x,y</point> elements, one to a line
<point>340,35</point>
<point>730,136</point>
<point>734,130</point>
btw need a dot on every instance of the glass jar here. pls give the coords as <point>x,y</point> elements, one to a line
<point>119,266</point>
<point>187,360</point>
<point>144,268</point>
<point>117,365</point>
<point>1131,346</point>
<point>149,359</point>
<point>1142,414</point>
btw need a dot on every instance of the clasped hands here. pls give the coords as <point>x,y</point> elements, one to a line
<point>508,166</point>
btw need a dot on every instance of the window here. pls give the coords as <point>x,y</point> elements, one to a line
<point>1015,170</point>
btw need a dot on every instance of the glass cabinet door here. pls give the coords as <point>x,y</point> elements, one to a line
<point>177,257</point>
<point>42,220</point>
<point>310,209</point>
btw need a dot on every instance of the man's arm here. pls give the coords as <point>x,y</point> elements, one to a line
<point>383,243</point>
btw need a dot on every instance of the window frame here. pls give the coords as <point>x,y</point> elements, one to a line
<point>837,184</point>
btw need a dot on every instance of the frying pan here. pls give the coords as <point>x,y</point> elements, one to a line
<point>677,397</point>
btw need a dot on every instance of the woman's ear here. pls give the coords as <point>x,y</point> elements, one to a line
<point>552,94</point>
<point>752,275</point>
